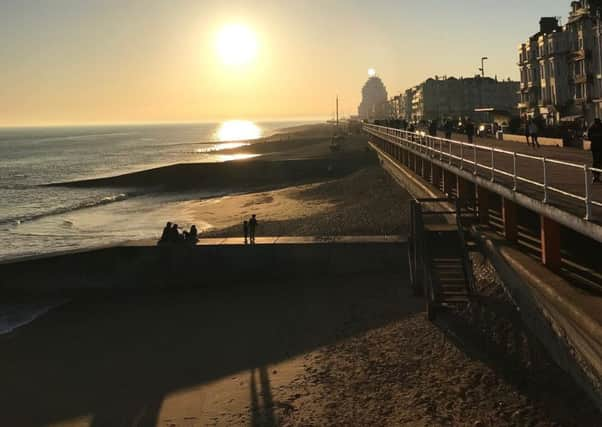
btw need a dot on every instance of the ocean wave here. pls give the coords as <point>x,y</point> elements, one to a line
<point>65,209</point>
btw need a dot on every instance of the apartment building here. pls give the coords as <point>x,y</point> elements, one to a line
<point>442,97</point>
<point>560,76</point>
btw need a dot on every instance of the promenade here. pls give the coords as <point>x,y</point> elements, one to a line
<point>557,176</point>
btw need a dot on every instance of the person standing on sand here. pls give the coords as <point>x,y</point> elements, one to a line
<point>252,227</point>
<point>245,229</point>
<point>595,136</point>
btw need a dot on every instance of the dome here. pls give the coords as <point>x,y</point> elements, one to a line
<point>374,99</point>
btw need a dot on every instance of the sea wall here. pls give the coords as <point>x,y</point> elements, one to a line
<point>140,268</point>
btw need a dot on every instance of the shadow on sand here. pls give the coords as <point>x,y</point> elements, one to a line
<point>115,360</point>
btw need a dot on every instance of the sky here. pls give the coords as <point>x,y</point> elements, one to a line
<point>149,61</point>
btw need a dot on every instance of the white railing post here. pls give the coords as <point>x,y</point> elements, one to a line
<point>492,164</point>
<point>461,156</point>
<point>545,180</point>
<point>474,152</point>
<point>514,171</point>
<point>588,192</point>
<point>450,151</point>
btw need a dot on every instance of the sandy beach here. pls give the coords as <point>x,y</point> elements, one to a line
<point>354,351</point>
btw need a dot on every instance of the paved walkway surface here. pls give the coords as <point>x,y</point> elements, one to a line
<point>565,178</point>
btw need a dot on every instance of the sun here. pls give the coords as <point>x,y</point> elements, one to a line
<point>236,44</point>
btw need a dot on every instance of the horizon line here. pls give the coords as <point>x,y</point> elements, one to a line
<point>161,123</point>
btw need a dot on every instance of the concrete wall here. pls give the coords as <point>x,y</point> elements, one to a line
<point>146,268</point>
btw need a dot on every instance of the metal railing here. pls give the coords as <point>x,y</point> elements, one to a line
<point>462,154</point>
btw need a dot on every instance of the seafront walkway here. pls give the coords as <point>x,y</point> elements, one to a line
<point>536,218</point>
<point>560,177</point>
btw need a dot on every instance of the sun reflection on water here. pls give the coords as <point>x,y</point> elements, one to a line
<point>231,157</point>
<point>238,130</point>
<point>222,146</point>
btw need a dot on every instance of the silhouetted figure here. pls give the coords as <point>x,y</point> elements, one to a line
<point>527,134</point>
<point>469,126</point>
<point>449,128</point>
<point>252,227</point>
<point>192,236</point>
<point>174,234</point>
<point>433,128</point>
<point>245,229</point>
<point>534,132</point>
<point>595,136</point>
<point>165,235</point>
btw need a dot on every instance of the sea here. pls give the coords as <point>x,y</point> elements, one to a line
<point>36,219</point>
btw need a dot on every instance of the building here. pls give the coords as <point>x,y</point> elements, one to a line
<point>560,67</point>
<point>375,103</point>
<point>456,98</point>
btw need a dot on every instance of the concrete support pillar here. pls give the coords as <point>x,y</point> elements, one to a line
<point>510,218</point>
<point>465,191</point>
<point>483,204</point>
<point>435,175</point>
<point>449,181</point>
<point>550,243</point>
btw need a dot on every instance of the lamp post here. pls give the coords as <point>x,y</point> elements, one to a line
<point>482,69</point>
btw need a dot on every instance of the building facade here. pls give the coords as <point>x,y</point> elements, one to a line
<point>458,98</point>
<point>560,67</point>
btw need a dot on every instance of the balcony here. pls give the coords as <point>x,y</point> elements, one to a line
<point>579,54</point>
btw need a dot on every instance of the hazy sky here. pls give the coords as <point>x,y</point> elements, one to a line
<point>116,61</point>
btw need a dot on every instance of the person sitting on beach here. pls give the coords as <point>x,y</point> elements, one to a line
<point>174,235</point>
<point>165,235</point>
<point>252,227</point>
<point>245,229</point>
<point>191,236</point>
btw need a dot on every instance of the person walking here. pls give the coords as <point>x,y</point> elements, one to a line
<point>433,128</point>
<point>534,132</point>
<point>252,227</point>
<point>595,136</point>
<point>469,126</point>
<point>527,134</point>
<point>245,229</point>
<point>449,128</point>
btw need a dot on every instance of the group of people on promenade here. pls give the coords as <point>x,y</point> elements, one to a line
<point>171,235</point>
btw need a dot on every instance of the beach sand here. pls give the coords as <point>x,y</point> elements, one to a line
<point>353,350</point>
<point>364,203</point>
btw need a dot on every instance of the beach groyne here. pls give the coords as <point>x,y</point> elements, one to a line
<point>147,268</point>
<point>234,174</point>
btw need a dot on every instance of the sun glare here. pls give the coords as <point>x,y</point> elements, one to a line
<point>236,44</point>
<point>238,130</point>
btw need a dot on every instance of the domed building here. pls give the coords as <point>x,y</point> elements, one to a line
<point>374,100</point>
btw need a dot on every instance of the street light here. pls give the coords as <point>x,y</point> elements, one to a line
<point>482,69</point>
